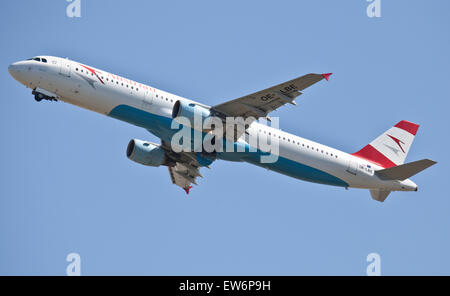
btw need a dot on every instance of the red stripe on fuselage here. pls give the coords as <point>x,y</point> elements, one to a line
<point>373,155</point>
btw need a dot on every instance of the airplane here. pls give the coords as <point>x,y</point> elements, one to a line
<point>380,166</point>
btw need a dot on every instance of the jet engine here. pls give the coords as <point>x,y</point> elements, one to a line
<point>146,153</point>
<point>189,111</point>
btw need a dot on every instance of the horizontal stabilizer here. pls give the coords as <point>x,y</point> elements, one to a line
<point>404,171</point>
<point>379,195</point>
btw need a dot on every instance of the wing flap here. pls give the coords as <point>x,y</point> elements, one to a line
<point>184,175</point>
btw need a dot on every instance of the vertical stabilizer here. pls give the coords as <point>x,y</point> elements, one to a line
<point>390,149</point>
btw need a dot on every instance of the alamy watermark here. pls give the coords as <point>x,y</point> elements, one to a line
<point>374,8</point>
<point>211,134</point>
<point>374,268</point>
<point>74,267</point>
<point>74,8</point>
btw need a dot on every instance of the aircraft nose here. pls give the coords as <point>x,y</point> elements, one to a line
<point>18,71</point>
<point>13,69</point>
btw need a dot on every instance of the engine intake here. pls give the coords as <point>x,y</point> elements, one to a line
<point>145,153</point>
<point>189,111</point>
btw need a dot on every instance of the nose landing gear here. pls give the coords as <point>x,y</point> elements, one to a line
<point>39,96</point>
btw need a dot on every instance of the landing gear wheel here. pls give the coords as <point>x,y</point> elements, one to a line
<point>38,97</point>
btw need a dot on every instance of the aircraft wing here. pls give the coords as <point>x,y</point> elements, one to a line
<point>261,103</point>
<point>183,167</point>
<point>184,175</point>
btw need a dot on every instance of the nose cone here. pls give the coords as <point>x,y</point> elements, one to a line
<point>15,70</point>
<point>18,71</point>
<point>12,69</point>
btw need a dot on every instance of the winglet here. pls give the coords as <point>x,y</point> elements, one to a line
<point>327,76</point>
<point>187,189</point>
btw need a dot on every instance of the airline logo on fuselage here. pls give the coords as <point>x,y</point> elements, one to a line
<point>94,72</point>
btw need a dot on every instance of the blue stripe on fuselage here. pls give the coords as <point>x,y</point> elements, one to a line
<point>161,127</point>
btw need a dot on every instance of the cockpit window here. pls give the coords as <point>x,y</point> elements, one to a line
<point>38,59</point>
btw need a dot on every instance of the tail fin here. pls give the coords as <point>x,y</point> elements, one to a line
<point>390,149</point>
<point>404,171</point>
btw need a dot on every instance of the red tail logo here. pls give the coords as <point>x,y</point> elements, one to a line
<point>398,142</point>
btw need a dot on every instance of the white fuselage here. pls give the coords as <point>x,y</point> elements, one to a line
<point>127,100</point>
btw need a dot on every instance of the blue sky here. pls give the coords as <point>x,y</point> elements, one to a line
<point>67,186</point>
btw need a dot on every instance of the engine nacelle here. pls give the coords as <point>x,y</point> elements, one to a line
<point>189,111</point>
<point>145,153</point>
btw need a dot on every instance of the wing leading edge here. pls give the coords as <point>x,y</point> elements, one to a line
<point>261,103</point>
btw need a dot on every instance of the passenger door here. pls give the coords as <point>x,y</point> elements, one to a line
<point>64,68</point>
<point>352,166</point>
